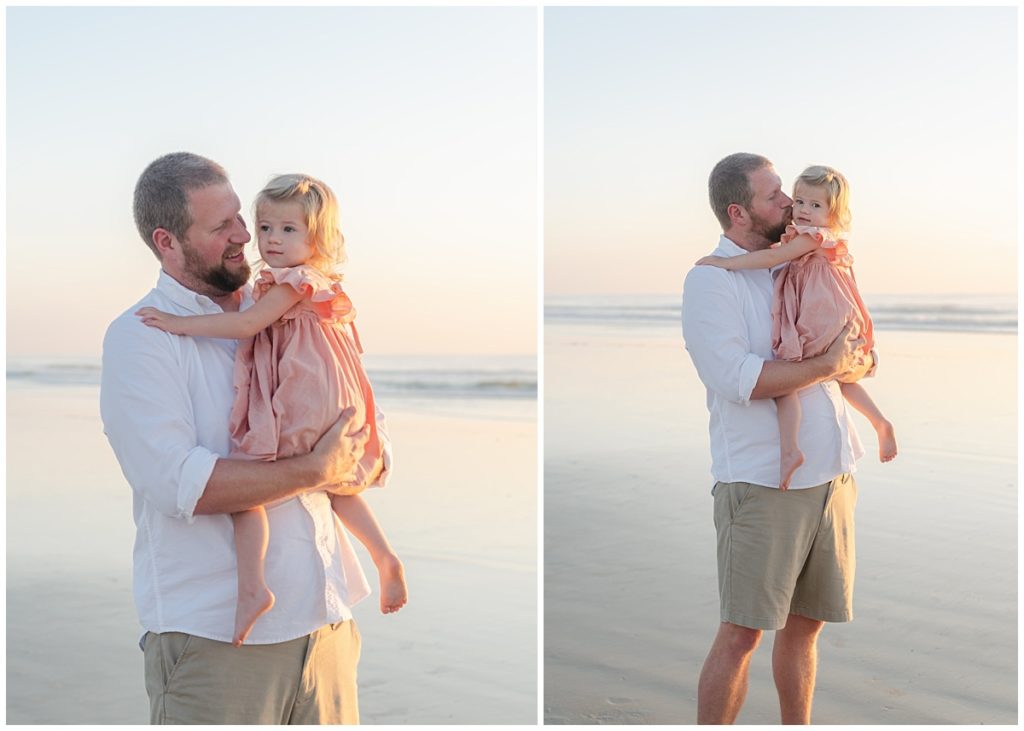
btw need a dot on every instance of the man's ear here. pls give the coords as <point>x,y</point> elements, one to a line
<point>164,241</point>
<point>737,214</point>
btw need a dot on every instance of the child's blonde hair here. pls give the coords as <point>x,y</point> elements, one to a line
<point>837,188</point>
<point>322,217</point>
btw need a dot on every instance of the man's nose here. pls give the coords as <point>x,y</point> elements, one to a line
<point>787,200</point>
<point>241,234</point>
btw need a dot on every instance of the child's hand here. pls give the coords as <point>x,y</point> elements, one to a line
<point>714,261</point>
<point>161,320</point>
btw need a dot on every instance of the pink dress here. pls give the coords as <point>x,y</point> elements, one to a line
<point>815,296</point>
<point>293,379</point>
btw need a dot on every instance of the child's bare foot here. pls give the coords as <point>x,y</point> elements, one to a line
<point>252,604</point>
<point>393,591</point>
<point>789,464</point>
<point>886,442</point>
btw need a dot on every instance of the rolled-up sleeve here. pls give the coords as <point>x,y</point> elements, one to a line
<point>715,335</point>
<point>148,418</point>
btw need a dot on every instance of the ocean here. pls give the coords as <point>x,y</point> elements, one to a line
<point>990,313</point>
<point>486,386</point>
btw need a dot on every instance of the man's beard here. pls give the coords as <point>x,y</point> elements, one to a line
<point>770,233</point>
<point>219,278</point>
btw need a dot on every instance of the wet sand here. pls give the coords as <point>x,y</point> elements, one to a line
<point>631,602</point>
<point>463,518</point>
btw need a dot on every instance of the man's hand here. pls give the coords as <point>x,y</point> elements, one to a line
<point>338,451</point>
<point>240,484</point>
<point>865,364</point>
<point>845,357</point>
<point>356,488</point>
<point>843,360</point>
<point>349,489</point>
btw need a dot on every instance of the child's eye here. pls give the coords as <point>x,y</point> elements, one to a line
<point>264,227</point>
<point>289,229</point>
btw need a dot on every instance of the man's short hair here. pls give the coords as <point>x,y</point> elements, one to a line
<point>161,195</point>
<point>729,183</point>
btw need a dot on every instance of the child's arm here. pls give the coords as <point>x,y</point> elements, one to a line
<point>765,258</point>
<point>234,325</point>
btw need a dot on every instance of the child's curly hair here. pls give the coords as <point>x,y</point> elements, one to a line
<point>322,217</point>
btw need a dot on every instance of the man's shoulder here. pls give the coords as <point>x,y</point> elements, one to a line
<point>127,329</point>
<point>703,277</point>
<point>150,299</point>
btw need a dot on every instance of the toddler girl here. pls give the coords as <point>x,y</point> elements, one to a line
<point>298,369</point>
<point>815,297</point>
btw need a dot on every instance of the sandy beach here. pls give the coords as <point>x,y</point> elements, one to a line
<point>631,602</point>
<point>463,651</point>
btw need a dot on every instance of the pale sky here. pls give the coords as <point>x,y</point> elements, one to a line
<point>422,120</point>
<point>916,106</point>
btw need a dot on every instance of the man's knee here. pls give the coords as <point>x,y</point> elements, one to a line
<point>737,640</point>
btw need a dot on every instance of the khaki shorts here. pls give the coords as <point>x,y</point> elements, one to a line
<point>309,680</point>
<point>782,553</point>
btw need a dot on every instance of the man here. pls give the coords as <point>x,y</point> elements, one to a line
<point>785,559</point>
<point>165,402</point>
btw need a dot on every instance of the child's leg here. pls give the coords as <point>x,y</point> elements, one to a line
<point>858,397</point>
<point>789,437</point>
<point>358,518</point>
<point>252,533</point>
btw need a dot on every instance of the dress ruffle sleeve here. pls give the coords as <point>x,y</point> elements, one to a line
<point>836,241</point>
<point>321,294</point>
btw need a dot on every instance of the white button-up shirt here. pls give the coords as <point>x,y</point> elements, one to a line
<point>165,402</point>
<point>727,328</point>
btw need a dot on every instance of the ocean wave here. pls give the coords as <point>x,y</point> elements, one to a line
<point>458,383</point>
<point>955,313</point>
<point>55,373</point>
<point>433,382</point>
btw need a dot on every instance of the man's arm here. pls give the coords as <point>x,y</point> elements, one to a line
<point>716,337</point>
<point>236,485</point>
<point>780,377</point>
<point>148,418</point>
<point>715,333</point>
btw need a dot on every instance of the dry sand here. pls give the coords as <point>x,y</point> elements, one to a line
<point>631,602</point>
<point>461,510</point>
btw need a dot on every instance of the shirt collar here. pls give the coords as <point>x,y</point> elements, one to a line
<point>728,247</point>
<point>191,301</point>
